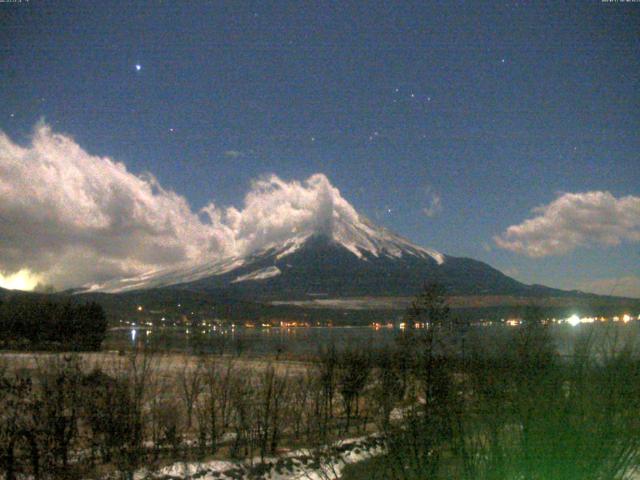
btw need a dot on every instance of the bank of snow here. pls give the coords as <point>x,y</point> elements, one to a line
<point>261,274</point>
<point>301,464</point>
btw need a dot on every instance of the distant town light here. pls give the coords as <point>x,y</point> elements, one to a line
<point>626,318</point>
<point>573,320</point>
<point>133,334</point>
<point>139,308</point>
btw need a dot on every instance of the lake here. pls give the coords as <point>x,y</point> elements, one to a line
<point>308,341</point>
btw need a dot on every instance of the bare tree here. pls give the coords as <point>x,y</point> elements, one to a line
<point>59,388</point>
<point>353,372</point>
<point>190,383</point>
<point>328,367</point>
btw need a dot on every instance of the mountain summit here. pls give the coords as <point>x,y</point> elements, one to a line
<point>318,245</point>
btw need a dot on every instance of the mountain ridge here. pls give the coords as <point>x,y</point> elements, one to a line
<point>335,253</point>
<point>319,265</point>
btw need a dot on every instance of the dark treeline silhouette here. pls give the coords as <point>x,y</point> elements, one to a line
<point>38,324</point>
<point>513,409</point>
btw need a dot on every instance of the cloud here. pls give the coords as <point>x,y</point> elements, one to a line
<point>575,220</point>
<point>435,205</point>
<point>274,209</point>
<point>233,154</point>
<point>70,218</point>
<point>628,286</point>
<point>20,280</point>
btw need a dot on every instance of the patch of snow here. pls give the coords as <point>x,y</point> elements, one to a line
<point>304,464</point>
<point>261,274</point>
<point>368,303</point>
<point>292,246</point>
<point>359,234</point>
<point>167,277</point>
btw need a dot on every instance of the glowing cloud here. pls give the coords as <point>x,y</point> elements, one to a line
<point>74,218</point>
<point>21,280</point>
<point>574,220</point>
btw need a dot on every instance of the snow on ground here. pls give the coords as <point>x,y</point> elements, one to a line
<point>297,465</point>
<point>354,303</point>
<point>261,274</point>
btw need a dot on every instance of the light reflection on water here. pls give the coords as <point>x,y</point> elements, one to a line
<point>310,340</point>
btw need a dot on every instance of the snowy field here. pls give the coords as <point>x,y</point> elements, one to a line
<point>296,465</point>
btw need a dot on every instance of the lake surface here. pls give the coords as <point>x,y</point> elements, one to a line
<point>308,341</point>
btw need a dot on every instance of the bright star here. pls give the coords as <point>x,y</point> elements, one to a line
<point>138,67</point>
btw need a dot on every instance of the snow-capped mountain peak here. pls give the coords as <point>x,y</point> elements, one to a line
<point>363,236</point>
<point>277,221</point>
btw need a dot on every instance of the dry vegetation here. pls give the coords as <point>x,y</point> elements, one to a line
<point>516,411</point>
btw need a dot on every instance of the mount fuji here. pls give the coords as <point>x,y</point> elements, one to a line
<point>334,252</point>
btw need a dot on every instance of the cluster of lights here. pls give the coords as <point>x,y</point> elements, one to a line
<point>575,320</point>
<point>378,326</point>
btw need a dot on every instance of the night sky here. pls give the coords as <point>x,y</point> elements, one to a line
<point>446,122</point>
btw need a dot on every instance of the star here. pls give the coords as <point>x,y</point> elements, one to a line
<point>502,60</point>
<point>138,67</point>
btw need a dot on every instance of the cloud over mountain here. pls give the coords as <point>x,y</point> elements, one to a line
<point>70,217</point>
<point>575,220</point>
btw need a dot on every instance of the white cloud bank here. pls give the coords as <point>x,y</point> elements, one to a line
<point>69,218</point>
<point>575,220</point>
